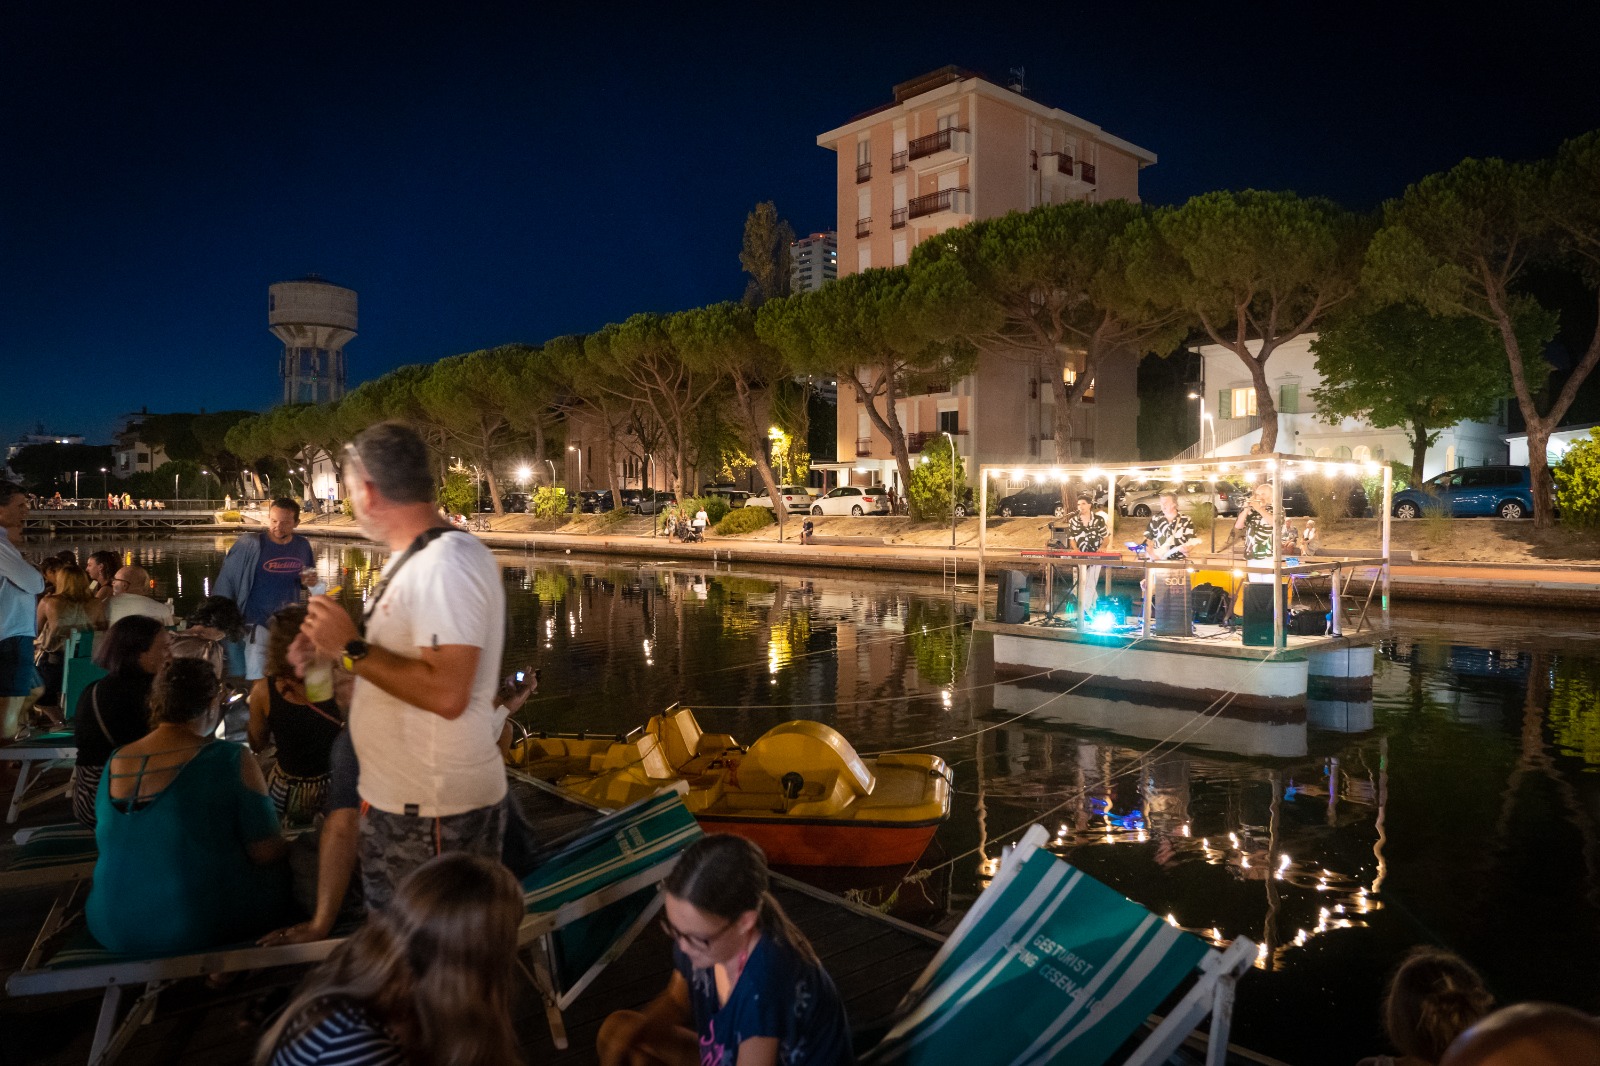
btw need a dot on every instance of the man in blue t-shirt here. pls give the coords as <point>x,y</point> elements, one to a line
<point>264,573</point>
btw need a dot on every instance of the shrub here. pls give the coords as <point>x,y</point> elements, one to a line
<point>231,516</point>
<point>548,502</point>
<point>1578,483</point>
<point>458,495</point>
<point>614,517</point>
<point>743,520</point>
<point>928,491</point>
<point>716,507</point>
<point>1203,516</point>
<point>1373,483</point>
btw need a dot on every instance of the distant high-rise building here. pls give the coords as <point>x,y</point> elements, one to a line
<point>314,319</point>
<point>812,261</point>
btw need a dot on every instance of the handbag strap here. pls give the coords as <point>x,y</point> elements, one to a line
<point>94,704</point>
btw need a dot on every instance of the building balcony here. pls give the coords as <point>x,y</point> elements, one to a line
<point>1074,176</point>
<point>1086,173</point>
<point>863,446</point>
<point>947,207</point>
<point>944,146</point>
<point>863,172</point>
<point>915,442</point>
<point>897,162</point>
<point>897,218</point>
<point>863,228</point>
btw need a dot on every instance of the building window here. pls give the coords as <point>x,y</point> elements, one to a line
<point>950,421</point>
<point>1362,453</point>
<point>1289,399</point>
<point>899,251</point>
<point>863,257</point>
<point>1237,403</point>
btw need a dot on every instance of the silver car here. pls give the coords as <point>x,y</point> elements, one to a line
<point>1143,501</point>
<point>796,500</point>
<point>852,500</point>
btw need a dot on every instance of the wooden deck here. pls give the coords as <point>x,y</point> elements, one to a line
<point>872,959</point>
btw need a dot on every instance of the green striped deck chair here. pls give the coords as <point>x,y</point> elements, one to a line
<point>79,672</point>
<point>1050,966</point>
<point>50,855</point>
<point>36,756</point>
<point>595,891</point>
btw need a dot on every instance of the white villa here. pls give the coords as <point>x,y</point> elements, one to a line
<point>1230,426</point>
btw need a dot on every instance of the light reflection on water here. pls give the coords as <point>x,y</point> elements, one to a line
<point>1457,808</point>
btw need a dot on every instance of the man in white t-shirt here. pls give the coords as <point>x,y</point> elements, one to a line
<point>422,716</point>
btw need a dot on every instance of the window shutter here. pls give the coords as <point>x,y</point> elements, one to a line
<point>1289,399</point>
<point>1225,403</point>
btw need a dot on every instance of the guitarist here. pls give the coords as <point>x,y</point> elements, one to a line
<point>1170,535</point>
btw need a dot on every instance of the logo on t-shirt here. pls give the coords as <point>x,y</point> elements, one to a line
<point>282,565</point>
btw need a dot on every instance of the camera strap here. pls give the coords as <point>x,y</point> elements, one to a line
<point>425,538</point>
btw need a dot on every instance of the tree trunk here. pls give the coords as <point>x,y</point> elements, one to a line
<point>611,473</point>
<point>756,439</point>
<point>1419,451</point>
<point>890,429</point>
<point>1266,410</point>
<point>494,488</point>
<point>1542,482</point>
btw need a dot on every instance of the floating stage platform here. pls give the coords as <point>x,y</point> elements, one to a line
<point>1211,667</point>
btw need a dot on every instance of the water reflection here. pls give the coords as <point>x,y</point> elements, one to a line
<point>1457,807</point>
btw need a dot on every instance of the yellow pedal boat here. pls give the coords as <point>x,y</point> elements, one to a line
<point>800,791</point>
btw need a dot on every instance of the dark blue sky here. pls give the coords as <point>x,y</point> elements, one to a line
<point>490,173</point>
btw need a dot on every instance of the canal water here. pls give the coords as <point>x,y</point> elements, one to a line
<point>1458,808</point>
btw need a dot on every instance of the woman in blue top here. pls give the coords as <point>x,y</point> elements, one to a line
<point>748,988</point>
<point>190,852</point>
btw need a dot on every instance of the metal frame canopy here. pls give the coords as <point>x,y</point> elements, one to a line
<point>1247,469</point>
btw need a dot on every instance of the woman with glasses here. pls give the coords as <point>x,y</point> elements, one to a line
<point>748,989</point>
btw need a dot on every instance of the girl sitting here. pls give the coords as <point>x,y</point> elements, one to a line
<point>748,989</point>
<point>427,980</point>
<point>303,731</point>
<point>115,710</point>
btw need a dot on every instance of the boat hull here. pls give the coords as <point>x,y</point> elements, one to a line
<point>822,843</point>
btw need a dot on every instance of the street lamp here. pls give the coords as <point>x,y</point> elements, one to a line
<point>1204,418</point>
<point>105,490</point>
<point>552,464</point>
<point>74,484</point>
<point>574,448</point>
<point>952,441</point>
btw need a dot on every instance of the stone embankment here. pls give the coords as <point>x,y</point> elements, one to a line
<point>1465,561</point>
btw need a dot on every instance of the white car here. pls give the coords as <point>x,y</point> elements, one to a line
<point>852,500</point>
<point>1146,500</point>
<point>796,500</point>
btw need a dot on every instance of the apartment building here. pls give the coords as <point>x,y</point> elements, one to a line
<point>951,148</point>
<point>813,260</point>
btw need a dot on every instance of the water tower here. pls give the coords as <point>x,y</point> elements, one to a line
<point>313,319</point>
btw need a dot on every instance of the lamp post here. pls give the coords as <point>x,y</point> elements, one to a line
<point>105,489</point>
<point>1203,419</point>
<point>74,485</point>
<point>579,450</point>
<point>207,488</point>
<point>174,488</point>
<point>952,440</point>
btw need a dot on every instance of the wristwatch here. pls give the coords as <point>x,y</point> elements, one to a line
<point>354,652</point>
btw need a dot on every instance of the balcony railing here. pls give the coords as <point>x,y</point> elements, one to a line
<point>863,446</point>
<point>1088,173</point>
<point>897,162</point>
<point>935,202</point>
<point>897,218</point>
<point>863,172</point>
<point>915,442</point>
<point>939,141</point>
<point>863,227</point>
<point>1064,164</point>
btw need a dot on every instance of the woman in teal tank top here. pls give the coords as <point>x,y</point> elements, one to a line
<point>190,850</point>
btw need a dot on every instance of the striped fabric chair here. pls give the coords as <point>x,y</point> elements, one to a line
<point>1050,966</point>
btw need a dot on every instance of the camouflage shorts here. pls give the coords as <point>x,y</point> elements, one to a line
<point>392,845</point>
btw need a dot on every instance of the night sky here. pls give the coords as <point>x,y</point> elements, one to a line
<point>483,174</point>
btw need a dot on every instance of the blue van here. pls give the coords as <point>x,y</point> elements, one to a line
<point>1471,492</point>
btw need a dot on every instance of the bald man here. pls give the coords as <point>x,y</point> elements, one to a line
<point>131,594</point>
<point>1528,1034</point>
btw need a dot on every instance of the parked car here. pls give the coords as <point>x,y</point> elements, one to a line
<point>650,501</point>
<point>1297,501</point>
<point>1144,500</point>
<point>853,500</point>
<point>516,502</point>
<point>1033,501</point>
<point>1471,491</point>
<point>796,500</point>
<point>590,501</point>
<point>735,497</point>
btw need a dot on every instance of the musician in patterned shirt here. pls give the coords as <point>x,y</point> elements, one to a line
<point>1170,535</point>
